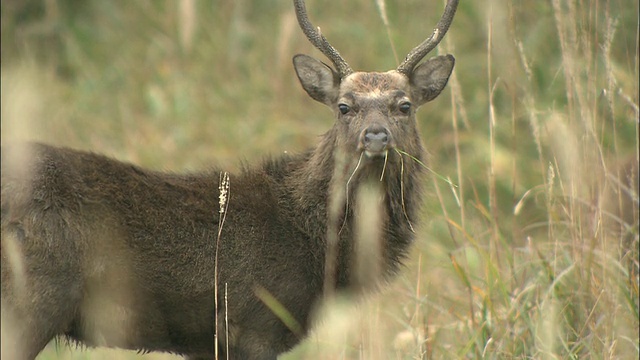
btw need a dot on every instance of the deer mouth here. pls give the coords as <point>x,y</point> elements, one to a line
<point>375,149</point>
<point>382,153</point>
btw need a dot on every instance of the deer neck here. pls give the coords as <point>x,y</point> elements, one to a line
<point>326,183</point>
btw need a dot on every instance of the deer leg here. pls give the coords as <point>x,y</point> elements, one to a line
<point>21,340</point>
<point>38,302</point>
<point>28,327</point>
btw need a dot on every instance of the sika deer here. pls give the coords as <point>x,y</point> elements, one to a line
<point>110,254</point>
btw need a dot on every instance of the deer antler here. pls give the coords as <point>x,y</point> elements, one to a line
<point>420,51</point>
<point>319,41</point>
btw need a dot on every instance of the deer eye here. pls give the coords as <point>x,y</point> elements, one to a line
<point>344,108</point>
<point>405,107</point>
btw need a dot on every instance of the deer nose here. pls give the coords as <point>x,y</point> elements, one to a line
<point>376,139</point>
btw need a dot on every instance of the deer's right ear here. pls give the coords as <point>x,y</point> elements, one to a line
<point>318,79</point>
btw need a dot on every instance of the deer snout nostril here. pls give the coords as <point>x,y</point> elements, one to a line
<point>376,139</point>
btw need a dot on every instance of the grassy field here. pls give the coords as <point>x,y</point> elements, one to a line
<point>533,254</point>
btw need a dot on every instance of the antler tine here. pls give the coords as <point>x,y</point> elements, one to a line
<point>420,51</point>
<point>319,41</point>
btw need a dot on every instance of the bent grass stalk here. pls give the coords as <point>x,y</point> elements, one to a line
<point>384,166</point>
<point>445,179</point>
<point>404,209</point>
<point>346,209</point>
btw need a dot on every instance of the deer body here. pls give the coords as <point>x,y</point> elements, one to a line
<point>110,254</point>
<point>134,259</point>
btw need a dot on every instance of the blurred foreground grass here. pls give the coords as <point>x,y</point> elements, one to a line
<point>533,255</point>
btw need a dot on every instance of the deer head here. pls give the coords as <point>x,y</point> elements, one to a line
<point>375,111</point>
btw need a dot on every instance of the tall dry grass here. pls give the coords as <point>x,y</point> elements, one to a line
<point>532,253</point>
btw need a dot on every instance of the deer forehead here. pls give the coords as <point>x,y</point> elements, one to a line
<point>374,84</point>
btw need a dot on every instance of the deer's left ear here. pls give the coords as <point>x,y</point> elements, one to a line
<point>430,77</point>
<point>318,79</point>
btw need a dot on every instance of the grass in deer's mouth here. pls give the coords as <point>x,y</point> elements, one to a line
<point>347,189</point>
<point>423,165</point>
<point>384,166</point>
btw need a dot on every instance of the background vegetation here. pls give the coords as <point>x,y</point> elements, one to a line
<point>533,255</point>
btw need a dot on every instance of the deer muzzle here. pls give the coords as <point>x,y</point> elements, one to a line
<point>375,140</point>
